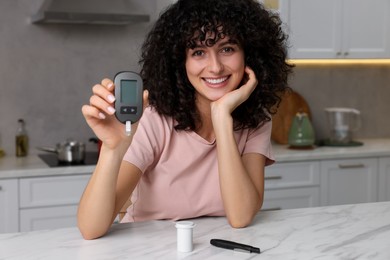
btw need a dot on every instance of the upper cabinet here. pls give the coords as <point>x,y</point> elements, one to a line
<point>337,28</point>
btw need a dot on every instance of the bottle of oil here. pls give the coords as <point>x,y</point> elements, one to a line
<point>21,139</point>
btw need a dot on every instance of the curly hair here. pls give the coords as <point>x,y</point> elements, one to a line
<point>186,22</point>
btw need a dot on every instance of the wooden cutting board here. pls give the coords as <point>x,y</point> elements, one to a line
<point>292,103</point>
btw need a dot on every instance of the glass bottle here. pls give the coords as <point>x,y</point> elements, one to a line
<point>21,139</point>
<point>2,153</point>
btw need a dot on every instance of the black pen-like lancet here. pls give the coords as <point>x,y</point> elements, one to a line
<point>234,245</point>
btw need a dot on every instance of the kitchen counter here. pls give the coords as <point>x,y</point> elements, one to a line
<point>359,231</point>
<point>31,166</point>
<point>370,148</point>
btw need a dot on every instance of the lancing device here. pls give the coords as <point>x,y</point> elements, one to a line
<point>128,98</point>
<point>234,246</point>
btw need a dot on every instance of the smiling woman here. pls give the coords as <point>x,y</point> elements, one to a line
<point>212,71</point>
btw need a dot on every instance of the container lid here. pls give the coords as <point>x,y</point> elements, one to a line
<point>185,224</point>
<point>342,109</point>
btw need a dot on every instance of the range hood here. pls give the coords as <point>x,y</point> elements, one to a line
<point>107,12</point>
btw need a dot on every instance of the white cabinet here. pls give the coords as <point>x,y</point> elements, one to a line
<point>337,28</point>
<point>291,185</point>
<point>9,208</point>
<point>326,182</point>
<point>349,181</point>
<point>291,198</point>
<point>48,218</point>
<point>366,27</point>
<point>50,202</point>
<point>384,179</point>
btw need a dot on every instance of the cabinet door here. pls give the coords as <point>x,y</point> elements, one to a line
<point>48,218</point>
<point>52,191</point>
<point>313,26</point>
<point>384,179</point>
<point>291,198</point>
<point>9,215</point>
<point>292,174</point>
<point>348,181</point>
<point>366,28</point>
<point>337,28</point>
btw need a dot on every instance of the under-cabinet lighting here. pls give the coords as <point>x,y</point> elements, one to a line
<point>339,61</point>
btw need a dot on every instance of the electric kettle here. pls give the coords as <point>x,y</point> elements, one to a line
<point>342,123</point>
<point>301,133</point>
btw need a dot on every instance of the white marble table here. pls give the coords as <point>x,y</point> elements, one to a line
<point>360,231</point>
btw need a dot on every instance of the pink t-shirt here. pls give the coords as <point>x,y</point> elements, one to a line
<point>180,170</point>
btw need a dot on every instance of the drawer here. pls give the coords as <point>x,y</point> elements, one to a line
<point>52,191</point>
<point>291,198</point>
<point>292,174</point>
<point>48,218</point>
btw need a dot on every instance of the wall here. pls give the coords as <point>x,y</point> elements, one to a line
<point>364,87</point>
<point>47,71</point>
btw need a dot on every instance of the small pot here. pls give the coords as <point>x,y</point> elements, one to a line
<point>69,151</point>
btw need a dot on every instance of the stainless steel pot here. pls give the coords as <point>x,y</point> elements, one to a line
<point>69,151</point>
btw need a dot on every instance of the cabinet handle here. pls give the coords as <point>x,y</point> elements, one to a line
<point>346,53</point>
<point>351,166</point>
<point>338,53</point>
<point>273,178</point>
<point>1,188</point>
<point>269,209</point>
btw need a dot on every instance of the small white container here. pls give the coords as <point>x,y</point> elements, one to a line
<point>184,236</point>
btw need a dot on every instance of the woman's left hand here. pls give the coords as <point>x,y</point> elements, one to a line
<point>232,100</point>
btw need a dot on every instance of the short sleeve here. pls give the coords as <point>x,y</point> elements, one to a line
<point>259,141</point>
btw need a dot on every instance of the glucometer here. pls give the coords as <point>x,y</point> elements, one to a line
<point>128,98</point>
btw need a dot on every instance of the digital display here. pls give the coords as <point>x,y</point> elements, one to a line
<point>129,92</point>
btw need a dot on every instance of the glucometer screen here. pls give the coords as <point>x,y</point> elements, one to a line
<point>129,92</point>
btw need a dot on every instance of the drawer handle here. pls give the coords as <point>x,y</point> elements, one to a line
<point>351,166</point>
<point>1,188</point>
<point>273,178</point>
<point>269,209</point>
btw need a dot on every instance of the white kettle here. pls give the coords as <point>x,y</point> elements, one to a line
<point>342,123</point>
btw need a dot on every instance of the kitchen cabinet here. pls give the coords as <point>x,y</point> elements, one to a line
<point>9,206</point>
<point>349,181</point>
<point>326,182</point>
<point>337,28</point>
<point>47,218</point>
<point>291,185</point>
<point>291,198</point>
<point>50,202</point>
<point>384,179</point>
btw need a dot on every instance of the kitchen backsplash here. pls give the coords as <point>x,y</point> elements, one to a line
<point>364,87</point>
<point>47,71</point>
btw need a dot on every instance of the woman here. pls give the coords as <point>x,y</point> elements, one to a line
<point>213,70</point>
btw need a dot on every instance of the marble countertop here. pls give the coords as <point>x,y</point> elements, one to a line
<point>359,231</point>
<point>32,166</point>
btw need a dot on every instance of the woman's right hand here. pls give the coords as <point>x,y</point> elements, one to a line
<point>100,116</point>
